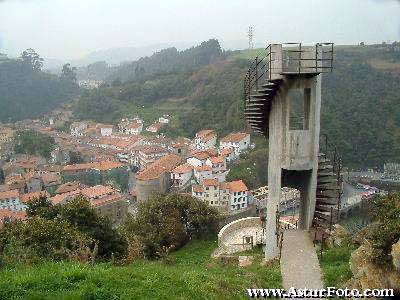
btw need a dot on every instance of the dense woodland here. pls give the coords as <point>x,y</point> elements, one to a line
<point>27,92</point>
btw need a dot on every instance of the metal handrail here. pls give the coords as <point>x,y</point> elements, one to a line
<point>262,65</point>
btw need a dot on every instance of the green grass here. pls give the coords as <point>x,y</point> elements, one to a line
<point>189,274</point>
<point>335,265</point>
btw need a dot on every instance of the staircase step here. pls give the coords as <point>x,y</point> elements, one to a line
<point>326,216</point>
<point>327,201</point>
<point>327,194</point>
<point>261,96</point>
<point>325,173</point>
<point>325,207</point>
<point>266,91</point>
<point>270,85</point>
<point>276,80</point>
<point>328,186</point>
<point>254,108</point>
<point>321,222</point>
<point>324,166</point>
<point>259,100</point>
<point>254,113</point>
<point>254,104</point>
<point>252,117</point>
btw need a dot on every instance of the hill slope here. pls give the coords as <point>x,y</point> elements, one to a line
<point>360,109</point>
<point>189,273</point>
<point>27,93</point>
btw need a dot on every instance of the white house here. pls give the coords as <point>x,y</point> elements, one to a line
<point>105,130</point>
<point>227,153</point>
<point>226,196</point>
<point>155,127</point>
<point>205,139</point>
<point>218,166</point>
<point>134,128</point>
<point>78,128</point>
<point>202,172</point>
<point>131,126</point>
<point>238,194</point>
<point>199,158</point>
<point>181,175</point>
<point>238,142</point>
<point>10,200</point>
<point>164,119</point>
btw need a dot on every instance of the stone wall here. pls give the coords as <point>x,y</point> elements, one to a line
<point>236,215</point>
<point>226,232</point>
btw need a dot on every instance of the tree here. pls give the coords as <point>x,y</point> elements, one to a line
<point>35,143</point>
<point>386,230</point>
<point>166,222</point>
<point>81,215</point>
<point>42,238</point>
<point>69,73</point>
<point>41,207</point>
<point>29,56</point>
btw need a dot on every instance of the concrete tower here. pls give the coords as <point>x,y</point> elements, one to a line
<point>283,102</point>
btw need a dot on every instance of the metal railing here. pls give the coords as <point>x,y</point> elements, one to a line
<point>287,59</point>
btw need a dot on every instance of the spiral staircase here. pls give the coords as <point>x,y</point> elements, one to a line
<point>263,82</point>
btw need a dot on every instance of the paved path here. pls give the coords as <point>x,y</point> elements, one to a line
<point>299,261</point>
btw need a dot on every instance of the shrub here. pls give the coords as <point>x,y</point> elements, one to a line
<point>167,222</point>
<point>72,231</point>
<point>386,231</point>
<point>41,207</point>
<point>28,242</point>
<point>80,214</point>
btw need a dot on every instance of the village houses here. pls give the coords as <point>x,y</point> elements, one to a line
<point>225,196</point>
<point>205,139</point>
<point>238,142</point>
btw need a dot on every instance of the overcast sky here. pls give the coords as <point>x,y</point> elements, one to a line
<point>70,29</point>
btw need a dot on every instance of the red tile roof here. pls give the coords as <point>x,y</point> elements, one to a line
<point>70,186</point>
<point>25,198</point>
<point>159,167</point>
<point>9,194</point>
<point>197,188</point>
<point>206,135</point>
<point>217,160</point>
<point>97,191</point>
<point>185,168</point>
<point>226,151</point>
<point>102,166</point>
<point>12,215</point>
<point>210,182</point>
<point>203,168</point>
<point>234,137</point>
<point>237,186</point>
<point>57,199</point>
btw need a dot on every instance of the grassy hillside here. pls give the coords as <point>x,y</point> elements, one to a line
<point>189,273</point>
<point>360,110</point>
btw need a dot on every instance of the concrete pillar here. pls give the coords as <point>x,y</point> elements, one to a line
<point>276,136</point>
<point>295,152</point>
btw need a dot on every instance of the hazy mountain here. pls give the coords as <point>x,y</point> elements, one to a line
<point>113,56</point>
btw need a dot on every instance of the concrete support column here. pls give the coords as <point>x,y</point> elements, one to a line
<point>315,111</point>
<point>276,135</point>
